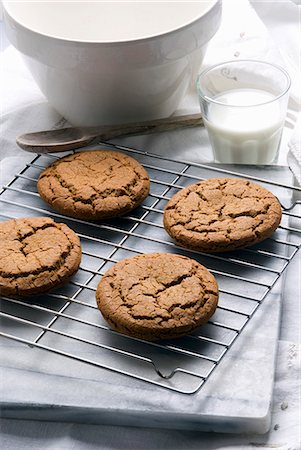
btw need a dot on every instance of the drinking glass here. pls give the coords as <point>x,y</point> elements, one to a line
<point>244,105</point>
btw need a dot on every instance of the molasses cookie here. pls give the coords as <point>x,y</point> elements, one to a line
<point>94,185</point>
<point>36,254</point>
<point>222,214</point>
<point>157,296</point>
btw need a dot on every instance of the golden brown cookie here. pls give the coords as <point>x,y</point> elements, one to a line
<point>36,254</point>
<point>94,185</point>
<point>157,296</point>
<point>222,214</point>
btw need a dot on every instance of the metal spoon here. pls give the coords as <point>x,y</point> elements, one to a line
<point>64,139</point>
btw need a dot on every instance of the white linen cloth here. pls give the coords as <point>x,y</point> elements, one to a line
<point>242,35</point>
<point>294,153</point>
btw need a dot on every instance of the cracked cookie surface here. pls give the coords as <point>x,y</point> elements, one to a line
<point>36,254</point>
<point>222,214</point>
<point>157,296</point>
<point>94,185</point>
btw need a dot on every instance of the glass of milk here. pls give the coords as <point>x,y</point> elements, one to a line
<point>244,105</point>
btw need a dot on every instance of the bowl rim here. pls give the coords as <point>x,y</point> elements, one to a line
<point>212,4</point>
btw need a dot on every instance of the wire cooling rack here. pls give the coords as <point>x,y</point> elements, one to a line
<point>67,321</point>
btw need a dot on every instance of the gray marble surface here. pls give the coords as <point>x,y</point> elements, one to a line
<point>86,394</point>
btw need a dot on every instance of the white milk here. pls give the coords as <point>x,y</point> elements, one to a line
<point>242,134</point>
<point>105,21</point>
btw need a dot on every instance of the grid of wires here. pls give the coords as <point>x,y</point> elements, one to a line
<point>68,315</point>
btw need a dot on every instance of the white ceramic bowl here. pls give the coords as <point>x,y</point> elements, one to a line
<point>111,62</point>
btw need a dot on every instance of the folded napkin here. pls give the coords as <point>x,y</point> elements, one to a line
<point>294,153</point>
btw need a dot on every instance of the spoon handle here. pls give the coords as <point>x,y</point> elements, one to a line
<point>65,139</point>
<point>154,126</point>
